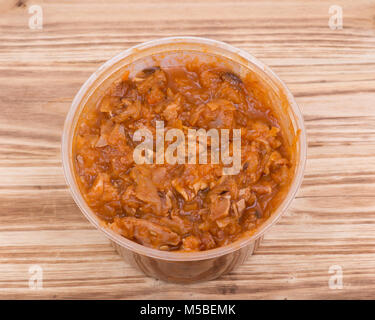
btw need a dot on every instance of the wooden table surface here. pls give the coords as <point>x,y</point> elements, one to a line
<point>330,72</point>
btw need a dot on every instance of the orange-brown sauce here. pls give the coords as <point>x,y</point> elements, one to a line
<point>187,207</point>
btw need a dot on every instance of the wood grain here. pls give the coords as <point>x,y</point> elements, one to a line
<point>330,72</point>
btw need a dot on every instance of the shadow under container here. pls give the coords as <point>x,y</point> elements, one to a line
<point>186,267</point>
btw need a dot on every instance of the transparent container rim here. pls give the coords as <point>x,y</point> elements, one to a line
<point>168,255</point>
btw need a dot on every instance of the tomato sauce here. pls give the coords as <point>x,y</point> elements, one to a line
<point>181,207</point>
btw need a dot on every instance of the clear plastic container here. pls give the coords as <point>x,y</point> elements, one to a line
<point>185,267</point>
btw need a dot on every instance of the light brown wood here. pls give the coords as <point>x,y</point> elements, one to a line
<point>330,72</point>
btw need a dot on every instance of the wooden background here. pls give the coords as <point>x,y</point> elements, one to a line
<point>330,72</point>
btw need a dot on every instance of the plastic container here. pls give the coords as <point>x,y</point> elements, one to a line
<point>190,266</point>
